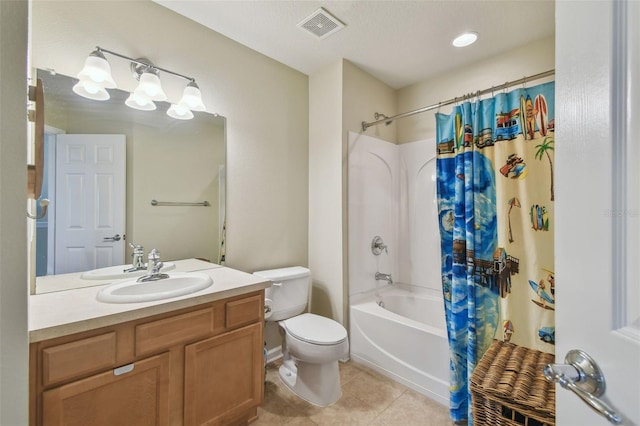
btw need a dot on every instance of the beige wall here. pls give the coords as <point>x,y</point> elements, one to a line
<point>523,61</point>
<point>341,96</point>
<point>265,103</point>
<point>13,230</point>
<point>364,95</point>
<point>325,191</point>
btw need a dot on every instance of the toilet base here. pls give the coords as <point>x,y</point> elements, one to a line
<point>318,384</point>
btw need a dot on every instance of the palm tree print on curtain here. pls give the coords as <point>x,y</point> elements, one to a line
<point>497,271</point>
<point>543,149</point>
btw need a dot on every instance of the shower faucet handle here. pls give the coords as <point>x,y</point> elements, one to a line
<point>377,245</point>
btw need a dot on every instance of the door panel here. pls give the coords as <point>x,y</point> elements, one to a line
<point>90,201</point>
<point>597,239</point>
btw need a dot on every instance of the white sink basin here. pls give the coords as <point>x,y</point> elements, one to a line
<point>178,284</point>
<point>117,272</point>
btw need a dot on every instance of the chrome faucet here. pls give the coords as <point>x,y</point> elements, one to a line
<point>384,277</point>
<point>153,268</point>
<point>137,263</point>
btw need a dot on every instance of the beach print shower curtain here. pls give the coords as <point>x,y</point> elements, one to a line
<point>495,203</point>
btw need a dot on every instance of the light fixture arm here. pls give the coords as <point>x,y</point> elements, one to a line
<point>145,64</point>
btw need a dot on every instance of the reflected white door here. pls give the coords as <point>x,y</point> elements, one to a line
<point>597,210</point>
<point>89,202</point>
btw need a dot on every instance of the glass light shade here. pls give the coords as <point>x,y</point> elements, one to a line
<point>90,90</point>
<point>180,112</point>
<point>139,101</point>
<point>151,87</point>
<point>465,39</point>
<point>192,97</point>
<point>97,69</point>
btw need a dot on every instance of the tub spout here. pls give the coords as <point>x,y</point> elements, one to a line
<point>384,277</point>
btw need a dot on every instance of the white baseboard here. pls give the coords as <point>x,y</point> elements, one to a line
<point>274,354</point>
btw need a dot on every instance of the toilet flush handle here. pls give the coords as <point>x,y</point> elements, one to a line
<point>277,284</point>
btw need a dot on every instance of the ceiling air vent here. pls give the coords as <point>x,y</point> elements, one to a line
<point>321,24</point>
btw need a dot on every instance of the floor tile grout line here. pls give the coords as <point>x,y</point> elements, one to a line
<point>350,371</point>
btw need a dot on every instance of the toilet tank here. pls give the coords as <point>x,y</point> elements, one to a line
<point>289,293</point>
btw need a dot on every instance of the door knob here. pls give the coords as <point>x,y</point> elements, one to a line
<point>581,375</point>
<point>114,238</point>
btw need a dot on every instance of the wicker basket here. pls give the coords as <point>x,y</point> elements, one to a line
<point>509,389</point>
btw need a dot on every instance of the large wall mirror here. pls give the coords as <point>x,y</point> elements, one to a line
<point>171,161</point>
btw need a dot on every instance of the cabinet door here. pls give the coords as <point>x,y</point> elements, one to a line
<point>224,377</point>
<point>138,397</point>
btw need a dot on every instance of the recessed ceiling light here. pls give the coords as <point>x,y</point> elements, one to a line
<point>465,39</point>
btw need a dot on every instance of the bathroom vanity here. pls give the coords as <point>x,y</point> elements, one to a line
<point>190,360</point>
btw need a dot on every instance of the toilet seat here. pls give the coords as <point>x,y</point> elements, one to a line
<point>315,329</point>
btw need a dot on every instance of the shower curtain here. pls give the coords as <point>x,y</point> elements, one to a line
<point>495,206</point>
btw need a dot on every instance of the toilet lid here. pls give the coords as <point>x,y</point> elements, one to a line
<point>316,329</point>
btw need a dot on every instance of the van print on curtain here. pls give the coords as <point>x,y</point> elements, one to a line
<point>495,205</point>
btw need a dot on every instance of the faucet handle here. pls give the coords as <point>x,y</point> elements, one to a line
<point>137,248</point>
<point>154,260</point>
<point>157,267</point>
<point>377,245</point>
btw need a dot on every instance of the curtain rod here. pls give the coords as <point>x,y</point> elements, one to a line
<point>388,120</point>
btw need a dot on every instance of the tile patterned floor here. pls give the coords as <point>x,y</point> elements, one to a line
<point>368,398</point>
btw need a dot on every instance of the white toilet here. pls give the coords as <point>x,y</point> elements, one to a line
<point>311,344</point>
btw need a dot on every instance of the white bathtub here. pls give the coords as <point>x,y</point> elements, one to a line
<point>405,340</point>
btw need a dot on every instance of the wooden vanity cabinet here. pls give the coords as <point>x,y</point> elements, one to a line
<point>196,366</point>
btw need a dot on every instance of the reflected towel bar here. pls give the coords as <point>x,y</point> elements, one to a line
<point>171,203</point>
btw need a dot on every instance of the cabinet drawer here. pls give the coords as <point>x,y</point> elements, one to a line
<point>164,333</point>
<point>69,360</point>
<point>243,311</point>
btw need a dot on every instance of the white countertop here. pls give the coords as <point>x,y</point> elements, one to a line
<point>59,313</point>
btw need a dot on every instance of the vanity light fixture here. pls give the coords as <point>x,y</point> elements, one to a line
<point>180,111</point>
<point>465,39</point>
<point>140,101</point>
<point>95,77</point>
<point>89,89</point>
<point>192,97</point>
<point>97,69</point>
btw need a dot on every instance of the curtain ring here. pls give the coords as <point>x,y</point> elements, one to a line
<point>524,82</point>
<point>506,86</point>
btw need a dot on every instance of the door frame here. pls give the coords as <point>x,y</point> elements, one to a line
<point>50,155</point>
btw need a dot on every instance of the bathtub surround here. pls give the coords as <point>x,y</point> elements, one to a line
<point>392,195</point>
<point>496,220</point>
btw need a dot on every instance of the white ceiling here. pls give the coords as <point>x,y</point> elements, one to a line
<point>399,42</point>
